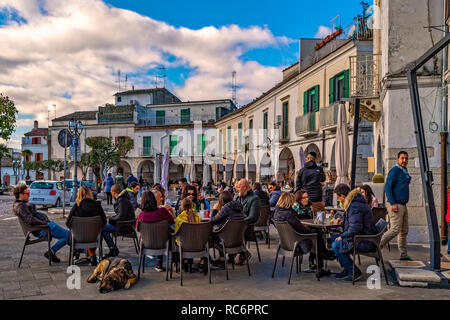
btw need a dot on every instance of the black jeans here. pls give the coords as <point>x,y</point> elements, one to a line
<point>108,198</point>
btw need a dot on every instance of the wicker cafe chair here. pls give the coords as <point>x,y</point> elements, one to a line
<point>85,232</point>
<point>289,241</point>
<point>377,255</point>
<point>127,229</point>
<point>154,240</point>
<point>194,243</point>
<point>28,232</point>
<point>232,237</point>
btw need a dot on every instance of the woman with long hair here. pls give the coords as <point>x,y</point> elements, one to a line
<point>187,215</point>
<point>284,212</point>
<point>370,197</point>
<point>151,213</point>
<point>302,205</point>
<point>86,206</point>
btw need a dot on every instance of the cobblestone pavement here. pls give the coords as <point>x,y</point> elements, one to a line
<point>37,280</point>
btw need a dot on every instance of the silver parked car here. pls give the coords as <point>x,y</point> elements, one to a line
<point>48,193</point>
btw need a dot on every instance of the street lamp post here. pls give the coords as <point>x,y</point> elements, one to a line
<point>75,129</point>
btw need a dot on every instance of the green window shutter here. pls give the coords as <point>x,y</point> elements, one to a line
<point>332,89</point>
<point>147,145</point>
<point>160,117</point>
<point>316,88</point>
<point>200,144</point>
<point>185,116</point>
<point>218,113</point>
<point>347,83</point>
<point>173,145</point>
<point>239,135</point>
<point>285,119</point>
<point>305,102</point>
<point>220,142</point>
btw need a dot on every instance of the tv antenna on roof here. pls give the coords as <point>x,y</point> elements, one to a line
<point>164,75</point>
<point>233,87</point>
<point>118,78</point>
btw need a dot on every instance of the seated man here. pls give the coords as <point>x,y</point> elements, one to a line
<point>358,220</point>
<point>251,207</point>
<point>124,212</point>
<point>27,212</point>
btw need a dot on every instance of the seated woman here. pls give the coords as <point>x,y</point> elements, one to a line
<point>86,206</point>
<point>188,215</point>
<point>284,212</point>
<point>263,196</point>
<point>302,205</point>
<point>368,194</point>
<point>151,213</point>
<point>227,209</point>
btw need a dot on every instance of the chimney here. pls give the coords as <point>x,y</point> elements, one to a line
<point>36,125</point>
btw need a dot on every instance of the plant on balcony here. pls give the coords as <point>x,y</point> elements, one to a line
<point>4,154</point>
<point>8,114</point>
<point>106,153</point>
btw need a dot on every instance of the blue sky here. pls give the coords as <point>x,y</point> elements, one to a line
<point>68,52</point>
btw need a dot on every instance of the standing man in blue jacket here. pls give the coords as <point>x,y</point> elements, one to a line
<point>397,193</point>
<point>107,184</point>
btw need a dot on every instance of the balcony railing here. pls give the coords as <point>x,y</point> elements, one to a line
<point>146,152</point>
<point>306,124</point>
<point>26,141</point>
<point>328,116</point>
<point>176,120</point>
<point>365,76</point>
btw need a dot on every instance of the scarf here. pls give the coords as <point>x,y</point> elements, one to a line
<point>405,171</point>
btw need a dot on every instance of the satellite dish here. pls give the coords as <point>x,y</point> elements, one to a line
<point>351,32</point>
<point>62,138</point>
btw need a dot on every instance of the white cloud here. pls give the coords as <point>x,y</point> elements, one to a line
<point>323,32</point>
<point>67,53</point>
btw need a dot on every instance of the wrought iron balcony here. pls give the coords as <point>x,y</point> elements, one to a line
<point>365,76</point>
<point>305,125</point>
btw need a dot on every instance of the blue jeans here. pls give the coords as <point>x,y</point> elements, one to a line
<point>343,258</point>
<point>107,230</point>
<point>57,232</point>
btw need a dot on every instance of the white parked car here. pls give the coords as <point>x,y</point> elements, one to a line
<point>48,193</point>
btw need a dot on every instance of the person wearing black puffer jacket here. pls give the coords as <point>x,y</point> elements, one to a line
<point>226,209</point>
<point>284,212</point>
<point>310,178</point>
<point>86,206</point>
<point>124,212</point>
<point>358,220</point>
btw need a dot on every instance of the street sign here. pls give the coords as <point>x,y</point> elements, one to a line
<point>72,150</point>
<point>62,138</point>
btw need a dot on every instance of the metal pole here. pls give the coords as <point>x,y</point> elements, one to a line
<point>65,165</point>
<point>75,175</point>
<point>355,143</point>
<point>427,175</point>
<point>444,137</point>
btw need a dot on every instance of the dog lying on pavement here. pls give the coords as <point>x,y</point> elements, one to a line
<point>114,274</point>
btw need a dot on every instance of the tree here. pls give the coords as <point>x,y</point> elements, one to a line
<point>35,166</point>
<point>106,153</point>
<point>53,166</point>
<point>4,154</point>
<point>8,114</point>
<point>86,163</point>
<point>26,153</point>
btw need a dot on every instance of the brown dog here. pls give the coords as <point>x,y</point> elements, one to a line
<point>114,274</point>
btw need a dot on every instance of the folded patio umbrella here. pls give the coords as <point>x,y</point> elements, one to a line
<point>342,148</point>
